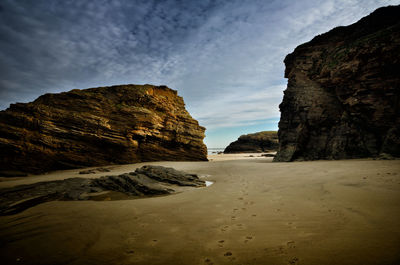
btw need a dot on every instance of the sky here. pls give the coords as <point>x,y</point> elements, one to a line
<point>225,57</point>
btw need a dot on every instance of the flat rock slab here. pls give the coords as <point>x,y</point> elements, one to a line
<point>144,181</point>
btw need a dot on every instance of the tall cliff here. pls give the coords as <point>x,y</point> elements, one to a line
<point>254,143</point>
<point>99,126</point>
<point>343,92</point>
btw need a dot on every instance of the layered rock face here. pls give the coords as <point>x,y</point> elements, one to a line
<point>144,181</point>
<point>99,126</point>
<point>254,143</point>
<point>343,94</point>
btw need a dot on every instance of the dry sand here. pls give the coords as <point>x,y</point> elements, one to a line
<point>256,212</point>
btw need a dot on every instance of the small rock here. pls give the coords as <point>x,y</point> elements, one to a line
<point>268,155</point>
<point>89,171</point>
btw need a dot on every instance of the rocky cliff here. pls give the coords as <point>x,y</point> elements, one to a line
<point>254,143</point>
<point>99,126</point>
<point>343,92</point>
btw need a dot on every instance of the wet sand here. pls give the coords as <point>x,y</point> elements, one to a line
<point>256,212</point>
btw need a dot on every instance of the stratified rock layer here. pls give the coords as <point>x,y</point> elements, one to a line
<point>99,126</point>
<point>145,181</point>
<point>254,143</point>
<point>342,98</point>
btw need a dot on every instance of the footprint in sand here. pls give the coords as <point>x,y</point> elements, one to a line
<point>221,243</point>
<point>240,198</point>
<point>291,244</point>
<point>293,261</point>
<point>292,225</point>
<point>280,251</point>
<point>154,242</point>
<point>254,215</point>
<point>228,254</point>
<point>208,261</point>
<point>130,252</point>
<point>226,227</point>
<point>131,240</point>
<point>248,238</point>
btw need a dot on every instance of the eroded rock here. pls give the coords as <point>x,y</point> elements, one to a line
<point>265,141</point>
<point>144,181</point>
<point>99,126</point>
<point>343,94</point>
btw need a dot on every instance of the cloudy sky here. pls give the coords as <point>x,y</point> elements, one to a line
<point>224,57</point>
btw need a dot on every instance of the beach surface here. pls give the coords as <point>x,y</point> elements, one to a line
<point>256,212</point>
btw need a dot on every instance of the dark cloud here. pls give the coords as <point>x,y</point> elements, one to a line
<point>57,45</point>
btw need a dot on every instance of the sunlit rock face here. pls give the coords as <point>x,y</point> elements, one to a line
<point>342,99</point>
<point>99,126</point>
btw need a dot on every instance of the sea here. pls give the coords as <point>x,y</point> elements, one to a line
<point>215,150</point>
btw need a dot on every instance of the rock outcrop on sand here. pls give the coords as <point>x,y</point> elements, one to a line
<point>99,126</point>
<point>145,181</point>
<point>265,141</point>
<point>343,94</point>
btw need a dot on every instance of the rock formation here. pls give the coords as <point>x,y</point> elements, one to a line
<point>254,143</point>
<point>145,181</point>
<point>343,94</point>
<point>99,126</point>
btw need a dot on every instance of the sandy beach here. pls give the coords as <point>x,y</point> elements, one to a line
<point>256,212</point>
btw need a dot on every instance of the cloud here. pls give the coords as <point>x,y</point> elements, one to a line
<point>246,58</point>
<point>224,57</point>
<point>51,46</point>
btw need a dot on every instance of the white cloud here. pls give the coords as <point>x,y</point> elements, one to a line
<point>244,62</point>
